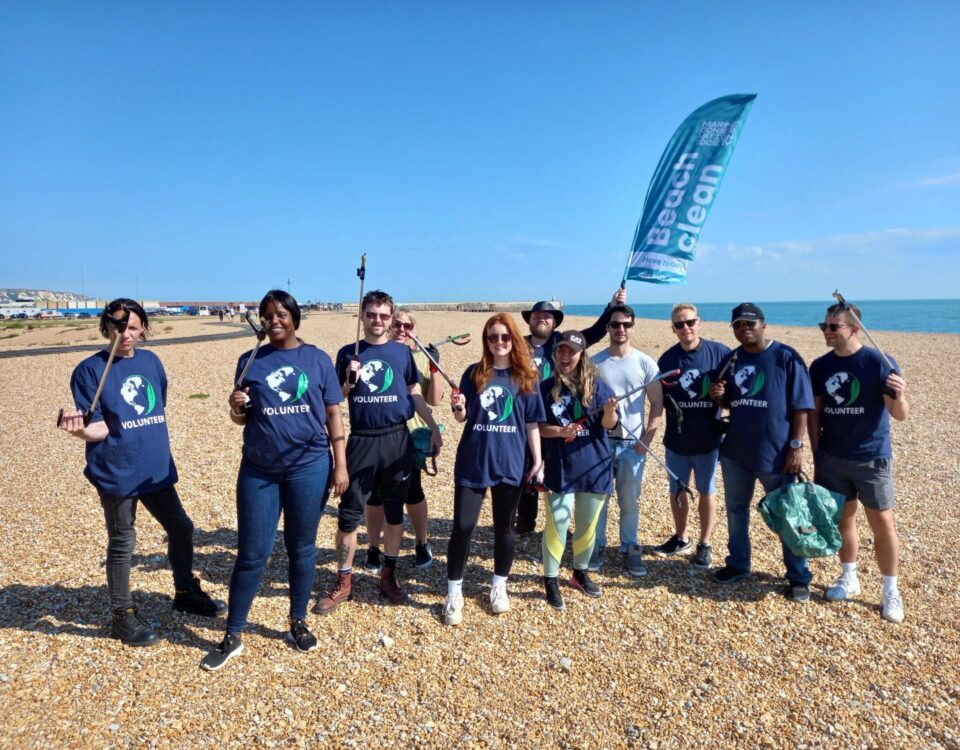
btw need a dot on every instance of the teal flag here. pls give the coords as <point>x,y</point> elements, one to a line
<point>683,190</point>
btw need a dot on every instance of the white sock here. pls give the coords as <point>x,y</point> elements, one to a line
<point>454,587</point>
<point>889,584</point>
<point>849,571</point>
<point>498,580</point>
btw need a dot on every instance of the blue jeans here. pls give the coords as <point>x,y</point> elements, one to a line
<point>627,475</point>
<point>301,494</point>
<point>738,485</point>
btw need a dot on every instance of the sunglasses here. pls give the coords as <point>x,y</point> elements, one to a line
<point>402,326</point>
<point>499,338</point>
<point>625,324</point>
<point>679,324</point>
<point>833,327</point>
<point>738,324</point>
<point>378,316</point>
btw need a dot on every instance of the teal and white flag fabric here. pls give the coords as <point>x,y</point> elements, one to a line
<point>683,190</point>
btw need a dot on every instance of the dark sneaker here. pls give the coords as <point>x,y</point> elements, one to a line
<point>389,588</point>
<point>633,561</point>
<point>552,590</point>
<point>423,556</point>
<point>230,646</point>
<point>374,560</point>
<point>132,630</point>
<point>703,557</point>
<point>726,574</point>
<point>194,601</point>
<point>797,593</point>
<point>597,558</point>
<point>672,546</point>
<point>582,583</point>
<point>301,637</point>
<point>341,592</point>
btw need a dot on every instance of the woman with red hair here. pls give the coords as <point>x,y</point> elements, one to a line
<point>500,402</point>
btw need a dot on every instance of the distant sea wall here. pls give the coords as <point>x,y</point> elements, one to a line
<point>490,307</point>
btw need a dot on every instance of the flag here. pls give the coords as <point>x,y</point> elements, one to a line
<point>683,190</point>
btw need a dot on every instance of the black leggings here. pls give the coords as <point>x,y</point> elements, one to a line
<point>467,503</point>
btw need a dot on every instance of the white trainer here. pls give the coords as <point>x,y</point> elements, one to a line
<point>499,601</point>
<point>453,609</point>
<point>845,587</point>
<point>892,607</point>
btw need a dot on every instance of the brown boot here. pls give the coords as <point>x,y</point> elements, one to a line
<point>341,592</point>
<point>389,588</point>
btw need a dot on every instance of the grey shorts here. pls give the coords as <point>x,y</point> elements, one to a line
<point>870,482</point>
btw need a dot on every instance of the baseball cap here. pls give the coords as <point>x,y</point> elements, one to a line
<point>746,311</point>
<point>573,339</point>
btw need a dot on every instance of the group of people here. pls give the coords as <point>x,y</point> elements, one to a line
<point>539,416</point>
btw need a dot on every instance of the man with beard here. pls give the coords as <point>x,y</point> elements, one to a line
<point>544,320</point>
<point>856,392</point>
<point>769,397</point>
<point>690,442</point>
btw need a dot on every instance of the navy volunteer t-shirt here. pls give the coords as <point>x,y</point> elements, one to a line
<point>290,390</point>
<point>381,397</point>
<point>584,464</point>
<point>763,389</point>
<point>854,423</point>
<point>691,391</point>
<point>491,449</point>
<point>134,459</point>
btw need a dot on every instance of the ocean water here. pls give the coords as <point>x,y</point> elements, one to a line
<point>920,315</point>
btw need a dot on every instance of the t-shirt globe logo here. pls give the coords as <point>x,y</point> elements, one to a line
<point>695,383</point>
<point>139,393</point>
<point>497,402</point>
<point>749,380</point>
<point>844,388</point>
<point>377,376</point>
<point>543,365</point>
<point>566,406</point>
<point>289,383</point>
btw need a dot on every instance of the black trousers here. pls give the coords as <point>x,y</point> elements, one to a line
<point>467,503</point>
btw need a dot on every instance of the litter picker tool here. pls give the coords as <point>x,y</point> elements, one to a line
<point>256,323</point>
<point>460,339</point>
<point>856,319</point>
<point>661,377</point>
<point>362,273</point>
<point>721,423</point>
<point>121,327</point>
<point>436,364</point>
<point>684,487</point>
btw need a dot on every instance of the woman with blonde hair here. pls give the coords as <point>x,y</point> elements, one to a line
<point>580,408</point>
<point>499,400</point>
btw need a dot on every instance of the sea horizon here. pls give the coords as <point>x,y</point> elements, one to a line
<point>905,315</point>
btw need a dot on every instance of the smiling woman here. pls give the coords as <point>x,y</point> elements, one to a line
<point>287,399</point>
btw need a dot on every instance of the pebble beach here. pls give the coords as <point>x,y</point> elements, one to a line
<point>672,660</point>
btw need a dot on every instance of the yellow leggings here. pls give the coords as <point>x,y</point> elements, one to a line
<point>585,508</point>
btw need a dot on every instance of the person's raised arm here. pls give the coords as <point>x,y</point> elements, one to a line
<point>896,405</point>
<point>598,330</point>
<point>72,422</point>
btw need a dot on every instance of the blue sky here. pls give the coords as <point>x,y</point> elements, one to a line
<point>474,151</point>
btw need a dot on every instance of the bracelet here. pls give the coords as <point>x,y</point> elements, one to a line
<point>236,414</point>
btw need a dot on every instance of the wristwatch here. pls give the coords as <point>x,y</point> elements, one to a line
<point>797,444</point>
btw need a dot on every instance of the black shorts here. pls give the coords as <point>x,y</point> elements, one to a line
<point>381,465</point>
<point>415,492</point>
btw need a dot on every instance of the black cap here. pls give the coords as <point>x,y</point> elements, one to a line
<point>546,307</point>
<point>746,311</point>
<point>573,339</point>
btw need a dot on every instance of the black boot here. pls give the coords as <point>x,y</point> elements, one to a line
<point>552,589</point>
<point>193,600</point>
<point>132,629</point>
